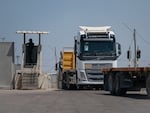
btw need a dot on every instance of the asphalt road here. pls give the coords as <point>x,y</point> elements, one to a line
<point>47,101</point>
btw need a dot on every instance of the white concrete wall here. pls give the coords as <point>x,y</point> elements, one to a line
<point>44,81</point>
<point>53,81</point>
<point>48,81</point>
<point>6,64</point>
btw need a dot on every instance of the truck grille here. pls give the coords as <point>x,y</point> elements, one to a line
<point>93,71</point>
<point>94,75</point>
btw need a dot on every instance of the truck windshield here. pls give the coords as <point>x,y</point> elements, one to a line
<point>98,48</point>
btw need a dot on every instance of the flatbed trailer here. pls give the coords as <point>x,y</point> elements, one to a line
<point>120,80</point>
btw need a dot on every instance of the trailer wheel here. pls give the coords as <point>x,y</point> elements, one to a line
<point>118,90</point>
<point>111,84</point>
<point>148,85</point>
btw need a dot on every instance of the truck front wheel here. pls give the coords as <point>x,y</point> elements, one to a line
<point>105,86</point>
<point>111,84</point>
<point>148,85</point>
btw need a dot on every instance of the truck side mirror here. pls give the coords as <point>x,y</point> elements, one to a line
<point>118,49</point>
<point>75,45</point>
<point>138,54</point>
<point>128,54</point>
<point>56,66</point>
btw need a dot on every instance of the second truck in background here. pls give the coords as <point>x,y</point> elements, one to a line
<point>94,48</point>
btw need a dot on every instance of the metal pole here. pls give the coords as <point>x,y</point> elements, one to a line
<point>55,55</point>
<point>39,39</point>
<point>17,59</point>
<point>56,63</point>
<point>135,49</point>
<point>129,53</point>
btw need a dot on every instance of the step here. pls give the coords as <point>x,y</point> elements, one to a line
<point>29,81</point>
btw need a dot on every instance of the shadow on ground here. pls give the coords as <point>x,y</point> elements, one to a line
<point>129,95</point>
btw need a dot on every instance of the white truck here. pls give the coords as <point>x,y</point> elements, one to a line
<point>95,48</point>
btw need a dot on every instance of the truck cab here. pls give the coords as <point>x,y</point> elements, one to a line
<point>95,48</point>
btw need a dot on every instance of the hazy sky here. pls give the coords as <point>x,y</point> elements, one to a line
<point>62,18</point>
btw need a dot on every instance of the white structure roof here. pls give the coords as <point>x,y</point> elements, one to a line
<point>31,32</point>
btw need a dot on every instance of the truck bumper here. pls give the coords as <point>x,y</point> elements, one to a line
<point>90,83</point>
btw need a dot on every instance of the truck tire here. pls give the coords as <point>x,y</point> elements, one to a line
<point>148,85</point>
<point>71,87</point>
<point>79,87</point>
<point>105,87</point>
<point>64,85</point>
<point>67,81</point>
<point>68,87</point>
<point>118,90</point>
<point>111,84</point>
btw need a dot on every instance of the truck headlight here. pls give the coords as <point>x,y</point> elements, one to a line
<point>82,76</point>
<point>88,66</point>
